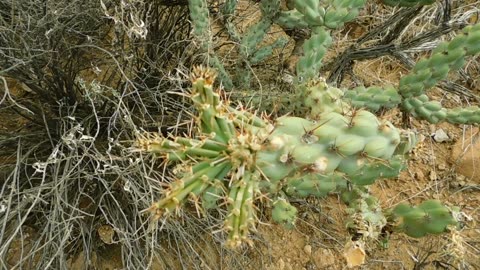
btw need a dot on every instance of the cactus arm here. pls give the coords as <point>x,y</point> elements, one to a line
<point>373,98</point>
<point>430,217</point>
<point>310,13</point>
<point>291,19</point>
<point>314,49</point>
<point>241,214</point>
<point>228,12</point>
<point>193,184</point>
<point>284,213</point>
<point>429,71</point>
<point>200,17</point>
<point>341,11</point>
<point>262,53</point>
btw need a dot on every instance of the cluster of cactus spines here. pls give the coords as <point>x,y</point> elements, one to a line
<point>430,217</point>
<point>408,3</point>
<point>429,71</point>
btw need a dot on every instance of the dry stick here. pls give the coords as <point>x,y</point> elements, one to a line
<point>343,62</point>
<point>173,2</point>
<point>397,18</point>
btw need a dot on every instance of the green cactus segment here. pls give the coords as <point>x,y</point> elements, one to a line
<point>334,148</point>
<point>193,185</point>
<point>373,98</point>
<point>468,115</point>
<point>408,3</point>
<point>316,185</point>
<point>270,8</point>
<point>429,71</point>
<point>254,36</point>
<point>430,217</point>
<point>200,17</point>
<point>365,214</point>
<point>291,19</point>
<point>262,53</point>
<point>180,148</point>
<point>432,111</point>
<point>226,79</point>
<point>320,98</point>
<point>341,11</point>
<point>421,107</point>
<point>207,102</point>
<point>228,11</point>
<point>408,140</point>
<point>284,213</point>
<point>314,49</point>
<point>241,214</point>
<point>367,174</point>
<point>472,43</point>
<point>447,56</point>
<point>310,13</point>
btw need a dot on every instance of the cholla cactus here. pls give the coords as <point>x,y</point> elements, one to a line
<point>237,158</point>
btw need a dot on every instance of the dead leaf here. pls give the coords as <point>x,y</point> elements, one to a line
<point>106,234</point>
<point>354,253</point>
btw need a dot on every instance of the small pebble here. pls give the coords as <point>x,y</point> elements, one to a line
<point>440,136</point>
<point>308,250</point>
